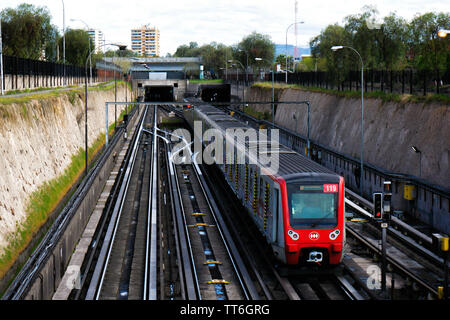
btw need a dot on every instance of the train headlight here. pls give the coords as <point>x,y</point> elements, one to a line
<point>294,235</point>
<point>334,234</point>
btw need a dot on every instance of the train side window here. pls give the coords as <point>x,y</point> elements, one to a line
<point>266,203</point>
<point>255,192</point>
<point>246,182</point>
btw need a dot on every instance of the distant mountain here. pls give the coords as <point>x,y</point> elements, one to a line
<point>281,49</point>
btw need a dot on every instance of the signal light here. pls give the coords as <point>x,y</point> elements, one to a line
<point>378,206</point>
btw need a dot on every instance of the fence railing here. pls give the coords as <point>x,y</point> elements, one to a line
<point>409,81</point>
<point>22,73</point>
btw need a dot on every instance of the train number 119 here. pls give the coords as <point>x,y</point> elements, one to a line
<point>330,188</point>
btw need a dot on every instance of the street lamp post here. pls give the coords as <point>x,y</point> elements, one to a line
<point>246,69</point>
<point>64,43</point>
<point>237,75</point>
<point>273,93</point>
<point>86,145</point>
<point>335,48</point>
<point>90,59</point>
<point>416,150</point>
<point>1,59</point>
<point>299,22</point>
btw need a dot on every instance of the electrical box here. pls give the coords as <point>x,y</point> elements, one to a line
<point>409,192</point>
<point>440,242</point>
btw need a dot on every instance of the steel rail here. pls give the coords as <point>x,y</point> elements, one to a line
<point>99,232</point>
<point>349,290</point>
<point>236,259</point>
<point>188,275</point>
<point>150,280</point>
<point>392,261</point>
<point>433,257</point>
<point>97,279</point>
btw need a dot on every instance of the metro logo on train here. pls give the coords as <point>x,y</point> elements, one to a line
<point>314,235</point>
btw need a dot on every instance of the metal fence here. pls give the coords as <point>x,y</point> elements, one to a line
<point>21,73</point>
<point>22,66</point>
<point>409,81</point>
<point>404,81</point>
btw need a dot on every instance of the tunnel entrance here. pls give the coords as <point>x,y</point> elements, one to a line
<point>215,93</point>
<point>159,93</point>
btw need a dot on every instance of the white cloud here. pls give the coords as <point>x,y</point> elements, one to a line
<point>225,21</point>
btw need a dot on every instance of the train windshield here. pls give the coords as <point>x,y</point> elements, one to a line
<point>312,208</point>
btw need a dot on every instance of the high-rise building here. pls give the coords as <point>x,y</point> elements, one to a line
<point>145,41</point>
<point>97,38</point>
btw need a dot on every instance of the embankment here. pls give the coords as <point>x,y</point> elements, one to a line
<point>390,129</point>
<point>41,136</point>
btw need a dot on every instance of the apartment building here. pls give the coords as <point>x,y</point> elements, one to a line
<point>145,41</point>
<point>98,38</point>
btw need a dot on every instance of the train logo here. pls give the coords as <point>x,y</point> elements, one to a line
<point>314,235</point>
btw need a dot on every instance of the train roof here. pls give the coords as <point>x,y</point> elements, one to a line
<point>289,163</point>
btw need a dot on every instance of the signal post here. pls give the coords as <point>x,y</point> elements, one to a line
<point>382,210</point>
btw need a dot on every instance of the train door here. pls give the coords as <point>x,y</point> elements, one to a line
<point>277,222</point>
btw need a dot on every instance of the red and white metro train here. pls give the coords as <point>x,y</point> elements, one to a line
<point>299,208</point>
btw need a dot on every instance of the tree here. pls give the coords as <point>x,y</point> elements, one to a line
<point>336,63</point>
<point>257,46</point>
<point>28,33</point>
<point>381,47</point>
<point>391,40</point>
<point>214,55</point>
<point>361,37</point>
<point>281,60</point>
<point>311,64</point>
<point>77,46</point>
<point>429,51</point>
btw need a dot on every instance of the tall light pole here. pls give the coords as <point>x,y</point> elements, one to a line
<point>90,59</point>
<point>246,69</point>
<point>335,48</point>
<point>1,59</point>
<point>64,43</point>
<point>231,61</point>
<point>416,150</point>
<point>86,145</point>
<point>299,22</point>
<point>273,92</point>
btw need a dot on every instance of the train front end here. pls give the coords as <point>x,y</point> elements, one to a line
<point>314,219</point>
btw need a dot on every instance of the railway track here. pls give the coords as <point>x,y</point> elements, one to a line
<point>325,287</point>
<point>121,260</point>
<point>411,261</point>
<point>211,264</point>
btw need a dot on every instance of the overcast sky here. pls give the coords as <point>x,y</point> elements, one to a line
<point>223,21</point>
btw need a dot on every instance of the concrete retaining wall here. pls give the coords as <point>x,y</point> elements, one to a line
<point>51,274</point>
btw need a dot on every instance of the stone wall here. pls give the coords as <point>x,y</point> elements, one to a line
<point>38,137</point>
